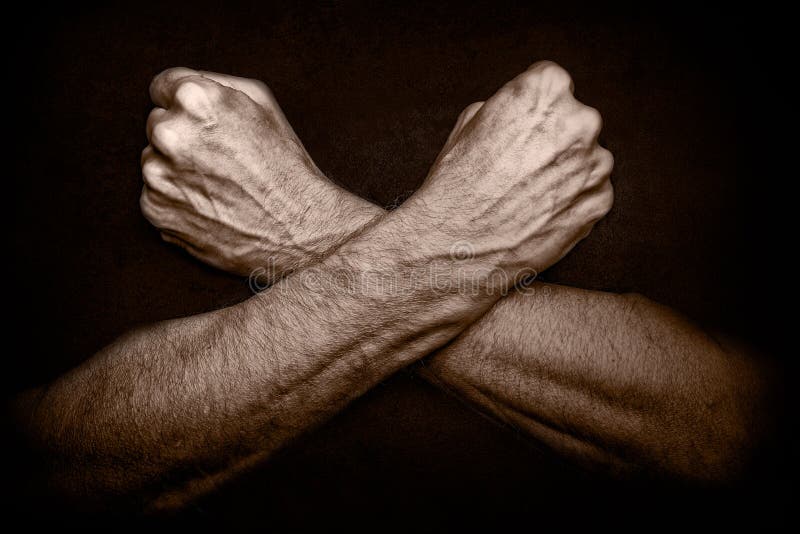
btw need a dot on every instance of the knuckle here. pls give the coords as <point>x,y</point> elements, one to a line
<point>606,160</point>
<point>164,137</point>
<point>154,82</point>
<point>560,77</point>
<point>158,79</point>
<point>151,169</point>
<point>191,95</point>
<point>599,203</point>
<point>543,66</point>
<point>528,79</point>
<point>585,123</point>
<point>554,74</point>
<point>172,73</point>
<point>153,119</point>
<point>154,175</point>
<point>606,198</point>
<point>260,87</point>
<point>592,119</point>
<point>545,77</point>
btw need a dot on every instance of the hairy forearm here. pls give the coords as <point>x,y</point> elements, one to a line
<point>613,381</point>
<point>174,408</point>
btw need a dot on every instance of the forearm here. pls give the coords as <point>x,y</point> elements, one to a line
<point>538,195</point>
<point>194,401</point>
<point>613,381</point>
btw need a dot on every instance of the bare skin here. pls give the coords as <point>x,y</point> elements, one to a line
<point>615,382</point>
<point>169,411</point>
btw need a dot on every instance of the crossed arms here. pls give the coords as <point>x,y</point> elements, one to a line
<point>611,381</point>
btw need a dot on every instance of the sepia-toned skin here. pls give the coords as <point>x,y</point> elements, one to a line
<point>613,381</point>
<point>171,410</point>
<point>213,145</point>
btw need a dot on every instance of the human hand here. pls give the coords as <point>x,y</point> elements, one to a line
<point>227,179</point>
<point>522,178</point>
<point>587,168</point>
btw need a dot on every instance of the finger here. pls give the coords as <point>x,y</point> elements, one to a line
<point>555,73</point>
<point>259,93</point>
<point>162,88</point>
<point>147,153</point>
<point>589,121</point>
<point>256,90</point>
<point>165,137</point>
<point>155,171</point>
<point>605,163</point>
<point>156,115</point>
<point>470,112</point>
<point>463,119</point>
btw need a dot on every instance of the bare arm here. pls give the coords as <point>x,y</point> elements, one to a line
<point>613,381</point>
<point>173,409</point>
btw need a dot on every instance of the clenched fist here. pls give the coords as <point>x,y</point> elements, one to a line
<point>227,179</point>
<point>522,177</point>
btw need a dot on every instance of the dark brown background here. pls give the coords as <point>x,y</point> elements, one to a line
<point>373,92</point>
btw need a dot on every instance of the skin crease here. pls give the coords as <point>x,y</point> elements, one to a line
<point>171,410</point>
<point>615,382</point>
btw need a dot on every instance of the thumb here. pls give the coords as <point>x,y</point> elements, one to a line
<point>463,119</point>
<point>255,89</point>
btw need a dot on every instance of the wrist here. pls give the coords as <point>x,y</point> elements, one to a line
<point>297,234</point>
<point>410,247</point>
<point>394,289</point>
<point>342,215</point>
<point>451,236</point>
